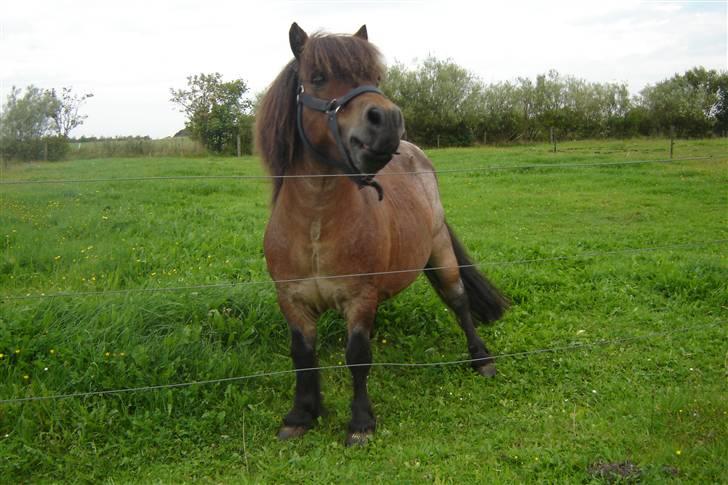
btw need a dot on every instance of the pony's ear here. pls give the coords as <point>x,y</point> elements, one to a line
<point>362,33</point>
<point>298,39</point>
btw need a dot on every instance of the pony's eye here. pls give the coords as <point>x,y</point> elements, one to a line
<point>318,79</point>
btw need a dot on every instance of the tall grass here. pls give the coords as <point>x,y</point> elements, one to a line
<point>166,147</point>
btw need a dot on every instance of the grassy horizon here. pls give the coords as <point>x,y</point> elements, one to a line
<point>569,416</point>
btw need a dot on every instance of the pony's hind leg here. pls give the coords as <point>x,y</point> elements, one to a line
<point>444,275</point>
<point>360,318</point>
<point>307,402</point>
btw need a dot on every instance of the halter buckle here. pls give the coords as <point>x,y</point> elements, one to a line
<point>333,106</point>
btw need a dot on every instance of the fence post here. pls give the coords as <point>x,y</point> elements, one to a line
<point>553,139</point>
<point>672,140</point>
<point>238,140</point>
<point>45,151</point>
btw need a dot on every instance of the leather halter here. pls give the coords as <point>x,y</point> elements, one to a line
<point>330,108</point>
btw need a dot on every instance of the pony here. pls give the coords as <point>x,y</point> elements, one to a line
<point>347,229</point>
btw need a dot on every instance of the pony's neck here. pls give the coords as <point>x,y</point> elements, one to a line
<point>317,194</point>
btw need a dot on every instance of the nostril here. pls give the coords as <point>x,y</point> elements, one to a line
<point>375,116</point>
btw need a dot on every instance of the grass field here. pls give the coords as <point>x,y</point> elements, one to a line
<point>651,409</point>
<point>177,147</point>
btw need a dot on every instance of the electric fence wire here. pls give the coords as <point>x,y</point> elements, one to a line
<point>489,168</point>
<point>526,353</point>
<point>232,284</point>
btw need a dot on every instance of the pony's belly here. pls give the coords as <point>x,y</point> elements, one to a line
<point>320,294</point>
<point>330,275</point>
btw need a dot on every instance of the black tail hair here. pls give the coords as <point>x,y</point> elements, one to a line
<point>487,304</point>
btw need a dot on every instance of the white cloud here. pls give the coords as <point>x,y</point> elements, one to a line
<point>129,54</point>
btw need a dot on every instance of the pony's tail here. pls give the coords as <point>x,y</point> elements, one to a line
<point>487,304</point>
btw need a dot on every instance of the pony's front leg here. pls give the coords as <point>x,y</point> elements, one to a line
<point>360,319</point>
<point>307,403</point>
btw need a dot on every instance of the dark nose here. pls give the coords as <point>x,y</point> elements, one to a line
<point>385,127</point>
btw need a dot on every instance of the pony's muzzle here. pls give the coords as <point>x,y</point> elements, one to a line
<point>375,139</point>
<point>385,127</point>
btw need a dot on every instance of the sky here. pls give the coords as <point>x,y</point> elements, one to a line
<point>129,54</point>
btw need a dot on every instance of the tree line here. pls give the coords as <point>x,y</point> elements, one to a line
<point>446,105</point>
<point>442,101</point>
<point>443,104</point>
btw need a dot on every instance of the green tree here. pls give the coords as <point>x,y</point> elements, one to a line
<point>691,102</point>
<point>27,115</point>
<point>27,126</point>
<point>436,99</point>
<point>217,111</point>
<point>498,112</point>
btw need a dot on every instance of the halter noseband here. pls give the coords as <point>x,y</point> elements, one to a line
<point>330,108</point>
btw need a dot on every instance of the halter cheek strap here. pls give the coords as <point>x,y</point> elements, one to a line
<point>330,108</point>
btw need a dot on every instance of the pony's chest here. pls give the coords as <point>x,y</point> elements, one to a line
<point>315,247</point>
<point>312,258</point>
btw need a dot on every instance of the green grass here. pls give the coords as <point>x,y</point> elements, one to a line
<point>659,403</point>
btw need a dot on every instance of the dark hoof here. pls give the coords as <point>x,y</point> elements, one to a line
<point>487,370</point>
<point>288,432</point>
<point>358,438</point>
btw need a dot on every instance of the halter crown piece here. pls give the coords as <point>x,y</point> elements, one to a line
<point>330,108</point>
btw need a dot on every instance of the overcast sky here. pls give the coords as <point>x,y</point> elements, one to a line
<point>130,53</point>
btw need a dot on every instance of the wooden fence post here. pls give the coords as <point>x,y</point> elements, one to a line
<point>238,140</point>
<point>672,140</point>
<point>553,139</point>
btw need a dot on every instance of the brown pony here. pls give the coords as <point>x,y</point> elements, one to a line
<point>324,115</point>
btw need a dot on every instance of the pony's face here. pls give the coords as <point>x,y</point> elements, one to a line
<point>329,67</point>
